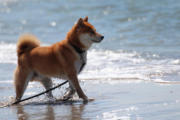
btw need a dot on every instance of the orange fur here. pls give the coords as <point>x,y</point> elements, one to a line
<point>57,60</point>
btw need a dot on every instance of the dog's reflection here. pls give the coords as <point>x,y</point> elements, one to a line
<point>77,111</point>
<point>49,115</point>
<point>21,115</point>
<point>51,112</point>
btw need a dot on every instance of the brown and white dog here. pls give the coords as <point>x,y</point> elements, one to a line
<point>63,59</point>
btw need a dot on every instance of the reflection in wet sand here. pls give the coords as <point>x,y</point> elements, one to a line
<point>75,112</point>
<point>49,113</point>
<point>24,115</point>
<point>21,115</point>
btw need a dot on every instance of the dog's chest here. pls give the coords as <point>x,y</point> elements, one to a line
<point>80,63</point>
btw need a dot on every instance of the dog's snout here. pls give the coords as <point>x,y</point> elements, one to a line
<point>102,37</point>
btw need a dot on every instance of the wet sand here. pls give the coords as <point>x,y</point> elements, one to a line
<point>114,100</point>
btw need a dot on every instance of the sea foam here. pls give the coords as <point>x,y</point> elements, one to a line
<point>113,65</point>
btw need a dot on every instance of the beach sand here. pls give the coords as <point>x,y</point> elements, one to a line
<point>114,100</point>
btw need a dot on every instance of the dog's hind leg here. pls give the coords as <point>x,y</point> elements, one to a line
<point>45,81</point>
<point>21,80</point>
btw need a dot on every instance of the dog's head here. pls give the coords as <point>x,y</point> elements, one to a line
<point>87,33</point>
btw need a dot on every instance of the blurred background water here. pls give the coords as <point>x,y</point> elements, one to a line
<point>141,38</point>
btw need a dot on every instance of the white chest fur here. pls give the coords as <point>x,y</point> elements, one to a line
<point>80,62</point>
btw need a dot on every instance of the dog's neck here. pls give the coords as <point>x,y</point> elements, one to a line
<point>74,41</point>
<point>77,49</point>
<point>81,54</point>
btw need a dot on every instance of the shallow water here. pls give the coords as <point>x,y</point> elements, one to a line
<point>140,49</point>
<point>114,100</point>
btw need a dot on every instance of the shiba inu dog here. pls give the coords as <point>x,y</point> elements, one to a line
<point>64,59</point>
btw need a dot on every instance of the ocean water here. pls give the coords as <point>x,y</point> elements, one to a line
<point>142,38</point>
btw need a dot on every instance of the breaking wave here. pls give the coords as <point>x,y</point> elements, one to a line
<point>116,65</point>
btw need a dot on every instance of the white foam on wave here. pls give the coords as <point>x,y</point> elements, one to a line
<point>6,81</point>
<point>122,65</point>
<point>113,65</point>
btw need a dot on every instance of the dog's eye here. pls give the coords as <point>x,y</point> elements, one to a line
<point>92,31</point>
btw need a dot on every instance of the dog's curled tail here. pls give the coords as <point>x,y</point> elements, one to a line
<point>26,43</point>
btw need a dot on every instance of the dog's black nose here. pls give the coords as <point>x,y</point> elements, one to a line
<point>102,37</point>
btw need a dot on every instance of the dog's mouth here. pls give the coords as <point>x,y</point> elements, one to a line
<point>98,41</point>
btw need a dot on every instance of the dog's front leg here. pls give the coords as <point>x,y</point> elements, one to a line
<point>69,93</point>
<point>73,80</point>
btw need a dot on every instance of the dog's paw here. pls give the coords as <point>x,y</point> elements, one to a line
<point>85,99</point>
<point>68,95</point>
<point>90,99</point>
<point>52,99</point>
<point>64,98</point>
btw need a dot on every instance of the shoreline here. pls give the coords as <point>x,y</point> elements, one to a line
<point>143,100</point>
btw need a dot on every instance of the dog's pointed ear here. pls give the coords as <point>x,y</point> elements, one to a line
<point>86,19</point>
<point>80,22</point>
